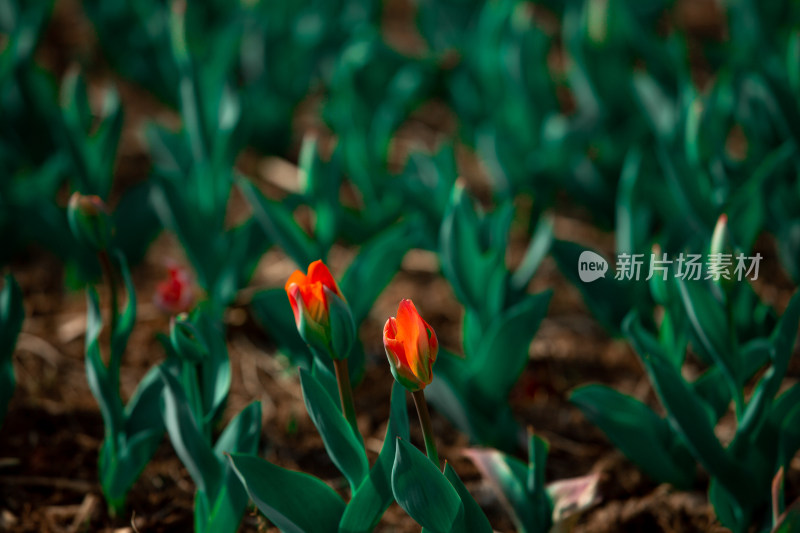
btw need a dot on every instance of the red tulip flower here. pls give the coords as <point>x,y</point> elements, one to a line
<point>175,294</point>
<point>320,310</point>
<point>411,347</point>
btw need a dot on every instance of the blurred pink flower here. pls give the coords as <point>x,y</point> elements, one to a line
<point>175,294</point>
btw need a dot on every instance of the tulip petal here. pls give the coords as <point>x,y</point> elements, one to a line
<point>319,273</point>
<point>293,291</point>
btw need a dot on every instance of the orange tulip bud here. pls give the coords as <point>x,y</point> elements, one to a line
<point>411,347</point>
<point>320,310</point>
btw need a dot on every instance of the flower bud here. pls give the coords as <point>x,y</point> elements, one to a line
<point>186,339</point>
<point>321,313</point>
<point>175,294</point>
<point>411,347</point>
<point>89,221</point>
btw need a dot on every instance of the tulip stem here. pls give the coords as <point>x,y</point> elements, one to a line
<point>346,393</point>
<point>111,280</point>
<point>427,428</point>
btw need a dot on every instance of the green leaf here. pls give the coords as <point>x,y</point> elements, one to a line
<point>694,426</point>
<point>729,512</point>
<point>127,319</point>
<point>786,415</point>
<point>712,387</point>
<point>504,349</point>
<point>12,314</point>
<point>215,370</point>
<point>273,313</point>
<point>280,226</point>
<point>242,434</point>
<point>284,496</point>
<point>784,338</point>
<point>344,447</point>
<point>473,519</point>
<point>540,502</point>
<point>375,495</point>
<point>374,267</point>
<point>538,247</point>
<point>645,342</point>
<point>187,438</point>
<point>455,398</point>
<point>475,269</point>
<point>712,330</point>
<point>102,383</point>
<point>644,437</point>
<point>508,475</point>
<point>422,490</point>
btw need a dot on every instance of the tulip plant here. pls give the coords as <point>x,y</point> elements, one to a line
<point>91,137</point>
<point>196,380</point>
<point>534,506</point>
<point>194,171</point>
<point>134,430</point>
<point>373,91</point>
<point>377,261</point>
<point>12,314</point>
<point>701,314</point>
<point>500,319</point>
<point>437,500</point>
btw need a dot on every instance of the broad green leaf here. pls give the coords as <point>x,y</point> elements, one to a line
<point>127,319</point>
<point>540,502</point>
<point>423,491</point>
<point>713,388</point>
<point>729,512</point>
<point>508,475</point>
<point>789,435</point>
<point>538,247</point>
<point>102,383</point>
<point>375,495</point>
<point>473,519</point>
<point>242,434</point>
<point>466,265</point>
<point>344,447</point>
<point>491,424</point>
<point>503,352</point>
<point>694,426</point>
<point>281,227</point>
<point>187,438</point>
<point>374,267</point>
<point>284,496</point>
<point>273,313</point>
<point>712,330</point>
<point>784,338</point>
<point>214,370</point>
<point>644,437</point>
<point>645,342</point>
